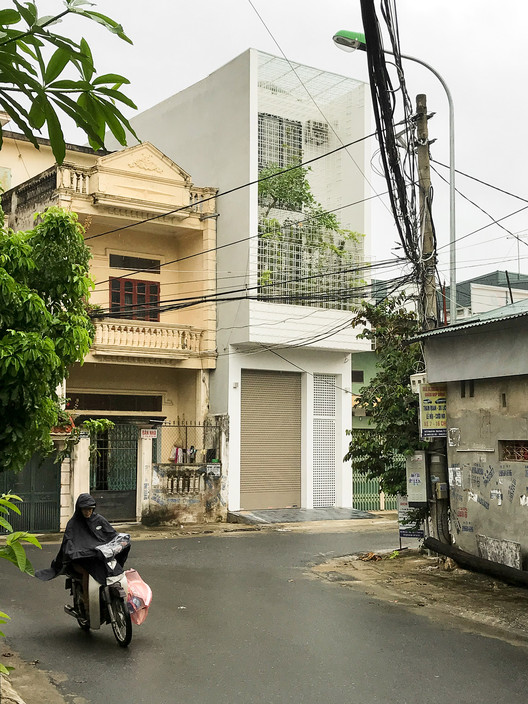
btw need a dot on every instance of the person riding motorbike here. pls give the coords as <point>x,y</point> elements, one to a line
<point>85,531</point>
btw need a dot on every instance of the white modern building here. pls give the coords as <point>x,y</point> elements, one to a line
<point>283,372</point>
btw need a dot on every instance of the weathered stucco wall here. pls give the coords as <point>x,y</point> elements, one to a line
<point>488,495</point>
<point>186,495</point>
<point>483,352</point>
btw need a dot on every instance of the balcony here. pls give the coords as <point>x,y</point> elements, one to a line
<point>138,342</point>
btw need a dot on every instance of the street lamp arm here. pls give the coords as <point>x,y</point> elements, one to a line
<point>452,220</point>
<point>350,41</point>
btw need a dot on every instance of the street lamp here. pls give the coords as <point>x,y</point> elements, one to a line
<point>350,41</point>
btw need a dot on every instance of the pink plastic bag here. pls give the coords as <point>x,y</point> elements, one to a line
<point>139,597</point>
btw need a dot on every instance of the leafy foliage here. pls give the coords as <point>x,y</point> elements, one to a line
<point>387,399</point>
<point>310,250</point>
<point>44,328</point>
<point>13,550</point>
<point>289,189</point>
<point>36,69</point>
<point>93,426</point>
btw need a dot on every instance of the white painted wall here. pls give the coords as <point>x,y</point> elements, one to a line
<point>484,297</point>
<point>307,362</point>
<point>277,323</point>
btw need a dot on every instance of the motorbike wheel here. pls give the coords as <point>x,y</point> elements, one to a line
<point>122,626</point>
<point>78,605</point>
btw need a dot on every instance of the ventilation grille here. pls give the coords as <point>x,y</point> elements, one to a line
<point>324,395</point>
<point>324,451</point>
<point>324,441</point>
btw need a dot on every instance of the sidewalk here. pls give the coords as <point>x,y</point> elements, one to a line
<point>373,520</point>
<point>438,588</point>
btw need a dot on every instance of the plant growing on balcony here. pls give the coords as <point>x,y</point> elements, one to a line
<point>300,241</point>
<point>44,328</point>
<point>43,73</point>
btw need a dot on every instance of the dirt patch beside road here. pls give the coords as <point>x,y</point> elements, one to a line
<point>470,600</point>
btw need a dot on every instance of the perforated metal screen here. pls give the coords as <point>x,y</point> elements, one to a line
<point>324,441</point>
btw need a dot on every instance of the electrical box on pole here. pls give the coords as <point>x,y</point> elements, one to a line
<point>416,471</point>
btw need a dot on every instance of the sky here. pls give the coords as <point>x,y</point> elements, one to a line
<point>477,46</point>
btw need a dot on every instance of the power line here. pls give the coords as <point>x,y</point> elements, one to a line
<point>478,206</point>
<point>367,267</point>
<point>228,244</point>
<point>229,295</point>
<point>484,227</point>
<point>235,189</point>
<point>484,183</point>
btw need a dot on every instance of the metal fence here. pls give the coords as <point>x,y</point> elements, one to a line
<point>187,443</point>
<point>366,493</point>
<point>368,497</point>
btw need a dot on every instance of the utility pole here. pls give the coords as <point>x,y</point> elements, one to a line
<point>437,451</point>
<point>428,305</point>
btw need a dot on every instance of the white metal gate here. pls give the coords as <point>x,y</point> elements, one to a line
<point>324,440</point>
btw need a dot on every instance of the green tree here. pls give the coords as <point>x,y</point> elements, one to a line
<point>389,403</point>
<point>43,73</point>
<point>44,328</point>
<point>326,246</point>
<point>13,550</point>
<point>289,189</point>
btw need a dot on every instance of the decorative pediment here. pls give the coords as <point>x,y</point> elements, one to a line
<point>145,160</point>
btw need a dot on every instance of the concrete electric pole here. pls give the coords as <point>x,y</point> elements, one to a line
<point>437,451</point>
<point>428,307</point>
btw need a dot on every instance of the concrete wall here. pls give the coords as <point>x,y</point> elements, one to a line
<point>205,503</point>
<point>485,297</point>
<point>19,160</point>
<point>480,352</point>
<point>489,496</point>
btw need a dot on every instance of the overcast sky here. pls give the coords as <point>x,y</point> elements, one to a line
<point>478,46</point>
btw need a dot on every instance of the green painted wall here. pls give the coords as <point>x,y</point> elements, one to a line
<point>365,362</point>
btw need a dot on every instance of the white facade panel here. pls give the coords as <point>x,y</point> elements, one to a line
<point>316,328</point>
<point>485,297</point>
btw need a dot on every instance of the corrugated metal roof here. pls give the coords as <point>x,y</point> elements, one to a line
<point>514,310</point>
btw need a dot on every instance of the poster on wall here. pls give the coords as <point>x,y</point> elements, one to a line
<point>433,417</point>
<point>406,520</point>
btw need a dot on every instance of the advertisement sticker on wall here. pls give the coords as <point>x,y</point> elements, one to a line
<point>433,417</point>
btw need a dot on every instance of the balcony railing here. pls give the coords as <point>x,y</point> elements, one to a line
<point>143,338</point>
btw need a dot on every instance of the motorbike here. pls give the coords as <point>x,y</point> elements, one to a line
<point>107,603</point>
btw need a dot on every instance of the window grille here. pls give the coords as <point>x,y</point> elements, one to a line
<point>313,275</point>
<point>279,140</point>
<point>316,133</point>
<point>513,450</point>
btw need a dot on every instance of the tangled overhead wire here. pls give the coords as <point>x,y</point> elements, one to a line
<point>397,145</point>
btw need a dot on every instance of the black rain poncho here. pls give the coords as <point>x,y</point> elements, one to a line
<point>79,544</point>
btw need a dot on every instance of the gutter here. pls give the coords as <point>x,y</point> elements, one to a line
<point>511,575</point>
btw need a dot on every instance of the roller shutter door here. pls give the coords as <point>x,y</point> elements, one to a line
<point>270,461</point>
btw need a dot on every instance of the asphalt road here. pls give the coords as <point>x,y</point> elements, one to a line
<point>238,619</point>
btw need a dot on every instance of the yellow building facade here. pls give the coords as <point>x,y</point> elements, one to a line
<point>152,235</point>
